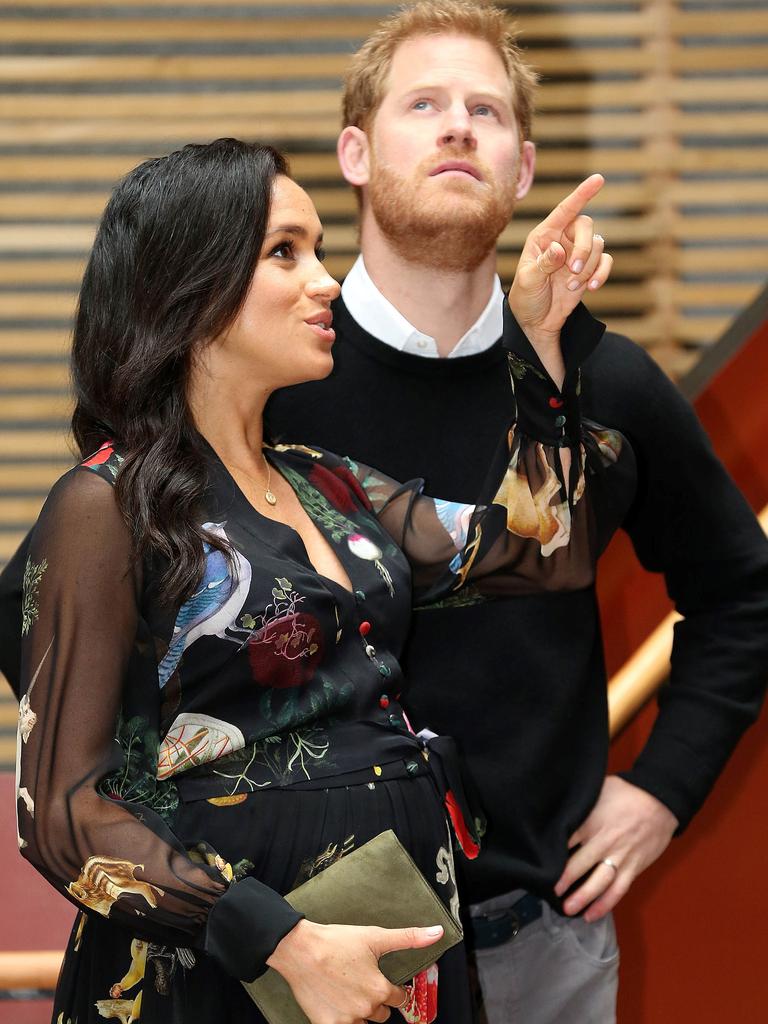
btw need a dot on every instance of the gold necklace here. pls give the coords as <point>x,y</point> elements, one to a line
<point>269,495</point>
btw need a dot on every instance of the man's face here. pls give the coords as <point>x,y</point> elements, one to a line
<point>445,152</point>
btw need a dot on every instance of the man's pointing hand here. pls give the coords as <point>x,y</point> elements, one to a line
<point>562,257</point>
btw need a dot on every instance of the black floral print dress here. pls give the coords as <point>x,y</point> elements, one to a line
<point>181,768</point>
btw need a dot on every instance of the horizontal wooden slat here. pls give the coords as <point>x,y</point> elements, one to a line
<point>187,29</point>
<point>9,711</point>
<point>30,376</point>
<point>54,271</point>
<point>156,105</point>
<point>8,971</point>
<point>9,541</point>
<point>172,67</point>
<point>15,341</point>
<point>37,305</point>
<point>19,510</point>
<point>47,443</point>
<point>25,408</point>
<point>39,477</point>
<point>164,133</point>
<point>583,25</point>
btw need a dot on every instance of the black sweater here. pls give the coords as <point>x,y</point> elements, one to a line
<point>520,682</point>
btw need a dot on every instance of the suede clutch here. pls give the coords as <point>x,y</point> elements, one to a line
<point>378,884</point>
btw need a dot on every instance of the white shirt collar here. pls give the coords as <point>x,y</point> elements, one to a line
<point>379,317</point>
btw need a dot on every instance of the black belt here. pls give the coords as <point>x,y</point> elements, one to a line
<point>497,926</point>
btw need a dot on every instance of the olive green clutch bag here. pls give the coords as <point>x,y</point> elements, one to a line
<point>378,884</point>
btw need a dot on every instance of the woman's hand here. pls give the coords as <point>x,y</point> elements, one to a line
<point>333,969</point>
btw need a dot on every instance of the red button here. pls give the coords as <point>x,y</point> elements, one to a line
<point>384,701</point>
<point>364,628</point>
<point>556,403</point>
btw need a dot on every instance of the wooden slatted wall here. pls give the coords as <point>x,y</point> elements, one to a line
<point>668,99</point>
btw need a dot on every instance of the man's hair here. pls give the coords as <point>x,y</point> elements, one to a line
<point>366,78</point>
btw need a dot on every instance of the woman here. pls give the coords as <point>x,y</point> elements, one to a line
<point>211,625</point>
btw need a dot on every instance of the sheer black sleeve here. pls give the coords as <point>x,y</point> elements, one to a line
<point>532,528</point>
<point>86,665</point>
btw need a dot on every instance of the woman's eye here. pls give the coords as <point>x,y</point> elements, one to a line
<point>484,111</point>
<point>321,255</point>
<point>284,250</point>
<point>422,104</point>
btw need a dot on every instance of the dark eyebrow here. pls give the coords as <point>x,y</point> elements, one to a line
<point>288,229</point>
<point>292,229</point>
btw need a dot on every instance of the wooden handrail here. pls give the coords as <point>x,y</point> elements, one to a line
<point>32,969</point>
<point>639,679</point>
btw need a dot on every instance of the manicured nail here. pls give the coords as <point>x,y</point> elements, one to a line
<point>594,283</point>
<point>436,929</point>
<point>577,266</point>
<point>574,285</point>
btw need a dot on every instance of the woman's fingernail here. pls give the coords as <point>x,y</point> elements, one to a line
<point>577,266</point>
<point>436,929</point>
<point>594,283</point>
<point>574,285</point>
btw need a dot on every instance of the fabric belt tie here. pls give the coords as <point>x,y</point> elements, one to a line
<point>498,926</point>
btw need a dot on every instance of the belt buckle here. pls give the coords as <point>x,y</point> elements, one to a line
<point>495,928</point>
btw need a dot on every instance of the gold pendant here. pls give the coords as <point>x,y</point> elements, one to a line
<point>271,499</point>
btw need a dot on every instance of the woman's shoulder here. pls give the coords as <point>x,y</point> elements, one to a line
<point>81,489</point>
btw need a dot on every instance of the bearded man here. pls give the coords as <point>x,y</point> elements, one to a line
<point>436,142</point>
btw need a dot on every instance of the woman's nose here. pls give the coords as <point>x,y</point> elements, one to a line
<point>324,286</point>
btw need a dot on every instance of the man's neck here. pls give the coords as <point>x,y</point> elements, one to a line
<point>441,304</point>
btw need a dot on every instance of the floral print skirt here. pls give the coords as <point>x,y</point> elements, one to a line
<point>283,837</point>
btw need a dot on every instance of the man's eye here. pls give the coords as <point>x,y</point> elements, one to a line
<point>484,110</point>
<point>422,104</point>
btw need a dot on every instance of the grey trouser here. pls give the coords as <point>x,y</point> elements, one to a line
<point>556,970</point>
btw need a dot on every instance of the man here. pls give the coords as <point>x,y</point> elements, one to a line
<point>437,110</point>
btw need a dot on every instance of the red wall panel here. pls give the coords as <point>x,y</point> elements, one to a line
<point>694,928</point>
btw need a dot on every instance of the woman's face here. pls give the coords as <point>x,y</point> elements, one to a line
<point>283,335</point>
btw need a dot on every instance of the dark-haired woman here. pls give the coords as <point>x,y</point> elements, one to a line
<point>211,625</point>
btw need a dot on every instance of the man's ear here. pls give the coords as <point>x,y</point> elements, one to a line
<point>353,152</point>
<point>527,167</point>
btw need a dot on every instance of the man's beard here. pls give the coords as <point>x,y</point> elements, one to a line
<point>423,225</point>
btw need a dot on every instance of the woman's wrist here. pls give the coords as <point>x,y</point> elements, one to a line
<point>294,946</point>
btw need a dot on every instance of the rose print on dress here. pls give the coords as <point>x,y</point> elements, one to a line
<point>285,644</point>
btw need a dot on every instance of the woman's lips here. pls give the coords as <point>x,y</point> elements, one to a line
<point>326,333</point>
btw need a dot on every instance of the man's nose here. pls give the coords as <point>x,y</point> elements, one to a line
<point>457,128</point>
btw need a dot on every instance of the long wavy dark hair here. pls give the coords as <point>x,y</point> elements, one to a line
<point>169,271</point>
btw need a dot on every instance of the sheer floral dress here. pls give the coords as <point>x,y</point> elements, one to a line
<point>181,768</point>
